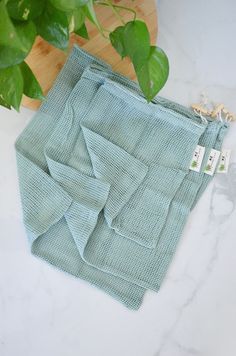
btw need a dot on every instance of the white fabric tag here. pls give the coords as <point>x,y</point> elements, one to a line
<point>212,162</point>
<point>224,161</point>
<point>197,158</point>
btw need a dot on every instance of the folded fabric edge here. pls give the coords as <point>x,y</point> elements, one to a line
<point>130,168</point>
<point>126,299</point>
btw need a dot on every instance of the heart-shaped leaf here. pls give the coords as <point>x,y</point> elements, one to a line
<point>153,74</point>
<point>91,15</point>
<point>11,86</point>
<point>82,32</point>
<point>136,40</point>
<point>117,40</point>
<point>53,26</point>
<point>25,9</point>
<point>26,32</point>
<point>76,20</point>
<point>8,35</point>
<point>3,103</point>
<point>31,86</point>
<point>16,39</point>
<point>68,5</point>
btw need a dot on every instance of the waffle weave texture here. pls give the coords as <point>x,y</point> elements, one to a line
<point>104,178</point>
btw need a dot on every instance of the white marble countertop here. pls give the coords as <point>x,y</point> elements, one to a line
<point>43,312</point>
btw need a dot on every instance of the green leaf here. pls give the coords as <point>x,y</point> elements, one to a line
<point>3,103</point>
<point>16,39</point>
<point>76,19</point>
<point>153,74</point>
<point>19,45</point>
<point>91,15</point>
<point>82,32</point>
<point>11,86</point>
<point>77,25</point>
<point>26,32</point>
<point>8,35</point>
<point>31,86</point>
<point>25,9</point>
<point>53,26</point>
<point>136,41</point>
<point>117,40</point>
<point>68,5</point>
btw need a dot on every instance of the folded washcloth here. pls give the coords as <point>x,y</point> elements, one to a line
<point>142,151</point>
<point>147,267</point>
<point>44,201</point>
<point>75,209</point>
<point>112,118</point>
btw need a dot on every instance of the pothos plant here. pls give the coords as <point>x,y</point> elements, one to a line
<point>22,20</point>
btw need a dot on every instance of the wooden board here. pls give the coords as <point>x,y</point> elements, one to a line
<point>46,61</point>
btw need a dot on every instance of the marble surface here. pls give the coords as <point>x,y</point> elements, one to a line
<point>43,312</point>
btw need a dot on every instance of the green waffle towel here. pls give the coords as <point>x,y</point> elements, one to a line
<point>104,178</point>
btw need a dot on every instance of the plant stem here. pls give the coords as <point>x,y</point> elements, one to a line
<point>116,12</point>
<point>127,9</point>
<point>113,6</point>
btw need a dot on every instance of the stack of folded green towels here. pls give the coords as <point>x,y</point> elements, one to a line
<point>104,178</point>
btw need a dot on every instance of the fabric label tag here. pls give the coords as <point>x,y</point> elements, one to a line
<point>212,162</point>
<point>224,161</point>
<point>197,158</point>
